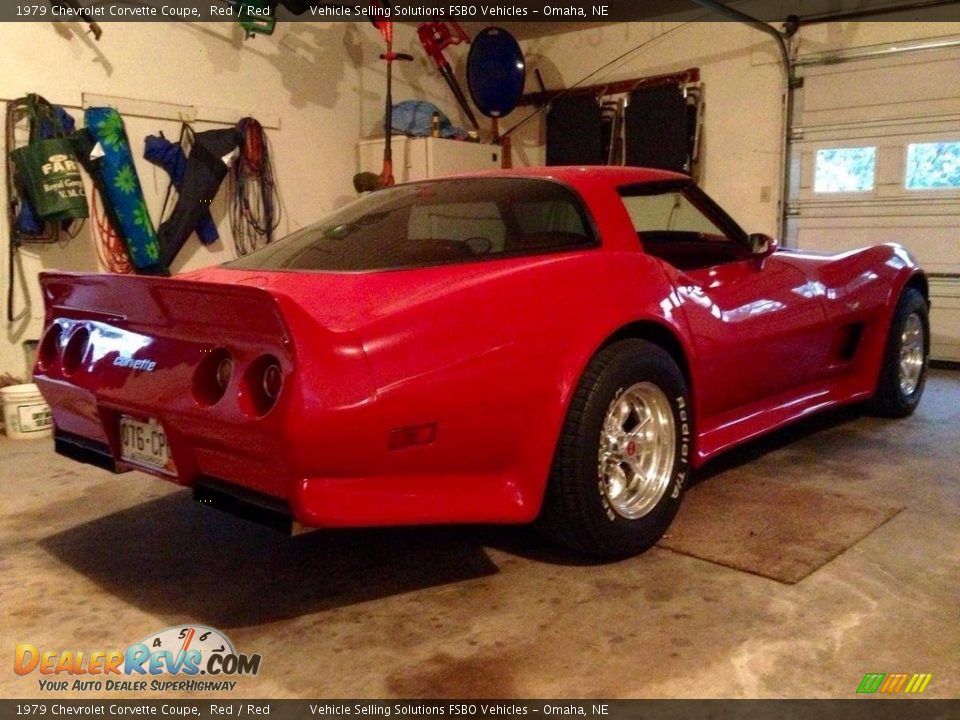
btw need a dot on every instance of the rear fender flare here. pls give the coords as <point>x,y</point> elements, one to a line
<point>652,329</point>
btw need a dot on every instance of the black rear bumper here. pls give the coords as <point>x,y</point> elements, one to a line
<point>247,504</point>
<point>243,503</point>
<point>84,450</point>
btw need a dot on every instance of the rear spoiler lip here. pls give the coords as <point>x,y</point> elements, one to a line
<point>87,314</point>
<point>106,298</point>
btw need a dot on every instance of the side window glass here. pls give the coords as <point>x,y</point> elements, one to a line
<point>672,228</point>
<point>669,212</point>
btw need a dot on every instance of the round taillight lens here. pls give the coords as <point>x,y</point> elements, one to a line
<point>272,381</point>
<point>75,350</point>
<point>212,376</point>
<point>49,351</point>
<point>260,386</point>
<point>224,373</point>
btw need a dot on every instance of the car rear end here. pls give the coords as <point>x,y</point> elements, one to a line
<point>185,380</point>
<point>341,376</point>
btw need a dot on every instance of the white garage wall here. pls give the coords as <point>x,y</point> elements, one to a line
<point>826,37</point>
<point>743,88</point>
<point>416,80</point>
<point>742,93</point>
<point>742,147</point>
<point>325,83</point>
<point>307,75</point>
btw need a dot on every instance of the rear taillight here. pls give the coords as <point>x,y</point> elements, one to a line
<point>272,381</point>
<point>49,351</point>
<point>261,385</point>
<point>212,377</point>
<point>224,373</point>
<point>75,349</point>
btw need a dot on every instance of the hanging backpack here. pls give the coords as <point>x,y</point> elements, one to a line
<point>47,170</point>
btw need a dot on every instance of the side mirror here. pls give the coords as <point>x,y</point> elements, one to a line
<point>762,246</point>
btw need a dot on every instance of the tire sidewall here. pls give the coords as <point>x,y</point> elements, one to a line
<point>640,362</point>
<point>910,302</point>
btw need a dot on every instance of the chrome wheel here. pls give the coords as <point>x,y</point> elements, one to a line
<point>911,354</point>
<point>637,449</point>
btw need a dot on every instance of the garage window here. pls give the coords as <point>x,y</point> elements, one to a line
<point>933,165</point>
<point>845,170</point>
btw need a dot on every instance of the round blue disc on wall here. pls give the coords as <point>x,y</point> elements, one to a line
<point>495,72</point>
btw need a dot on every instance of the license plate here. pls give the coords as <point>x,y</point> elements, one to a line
<point>145,443</point>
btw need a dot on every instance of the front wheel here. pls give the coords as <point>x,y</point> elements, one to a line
<point>623,457</point>
<point>903,373</point>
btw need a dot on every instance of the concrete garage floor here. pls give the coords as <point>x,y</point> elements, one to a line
<point>94,561</point>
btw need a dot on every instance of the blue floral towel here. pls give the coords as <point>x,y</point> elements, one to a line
<point>122,185</point>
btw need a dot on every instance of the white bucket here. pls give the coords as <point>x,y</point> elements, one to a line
<point>26,414</point>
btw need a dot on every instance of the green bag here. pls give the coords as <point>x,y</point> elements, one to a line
<point>48,172</point>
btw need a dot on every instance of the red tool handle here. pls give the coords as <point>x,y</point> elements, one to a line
<point>437,36</point>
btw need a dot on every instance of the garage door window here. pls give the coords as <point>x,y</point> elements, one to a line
<point>932,166</point>
<point>845,170</point>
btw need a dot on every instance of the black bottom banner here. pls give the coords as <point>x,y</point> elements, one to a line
<point>856,709</point>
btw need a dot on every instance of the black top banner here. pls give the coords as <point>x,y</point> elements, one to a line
<point>492,11</point>
<point>471,709</point>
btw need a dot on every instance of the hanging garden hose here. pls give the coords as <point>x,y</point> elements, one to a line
<point>255,203</point>
<point>110,247</point>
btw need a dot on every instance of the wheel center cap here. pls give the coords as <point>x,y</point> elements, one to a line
<point>631,449</point>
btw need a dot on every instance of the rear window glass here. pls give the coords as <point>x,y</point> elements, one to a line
<point>434,223</point>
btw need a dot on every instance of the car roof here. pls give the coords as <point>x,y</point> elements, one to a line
<point>577,175</point>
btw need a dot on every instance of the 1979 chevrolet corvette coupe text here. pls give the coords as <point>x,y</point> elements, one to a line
<point>558,345</point>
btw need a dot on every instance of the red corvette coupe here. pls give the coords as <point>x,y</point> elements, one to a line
<point>558,345</point>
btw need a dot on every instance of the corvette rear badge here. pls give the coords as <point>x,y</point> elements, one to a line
<point>128,362</point>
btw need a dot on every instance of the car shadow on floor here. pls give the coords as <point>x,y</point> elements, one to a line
<point>524,543</point>
<point>173,557</point>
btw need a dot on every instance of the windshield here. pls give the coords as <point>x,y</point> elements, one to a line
<point>434,223</point>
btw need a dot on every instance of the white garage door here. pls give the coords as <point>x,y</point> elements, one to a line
<point>875,157</point>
